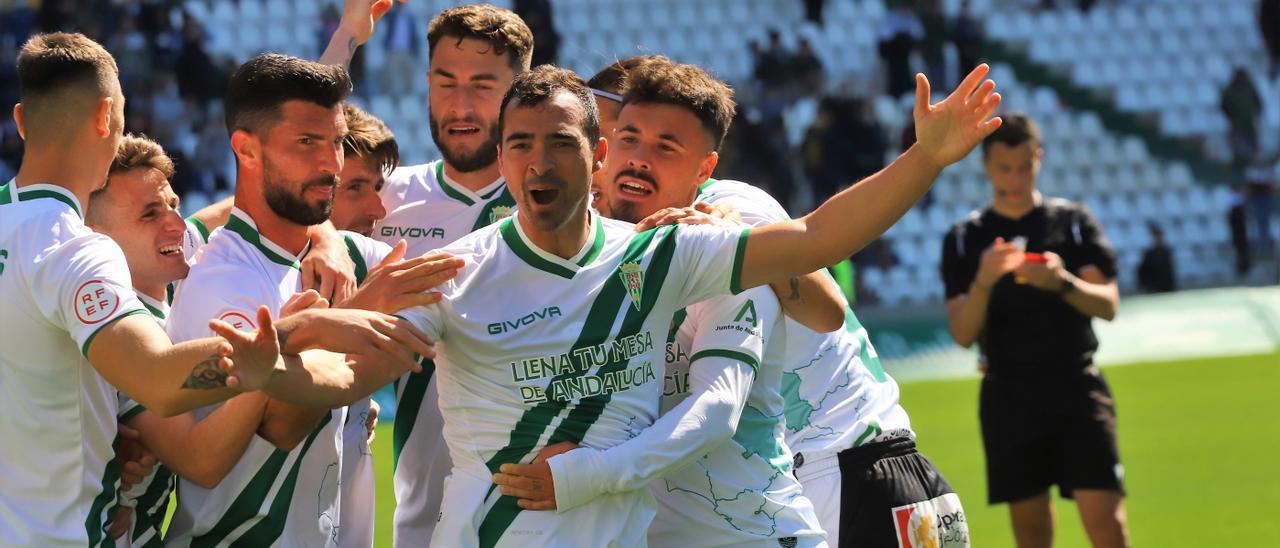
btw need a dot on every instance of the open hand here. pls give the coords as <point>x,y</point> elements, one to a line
<point>372,336</point>
<point>396,284</point>
<point>532,483</point>
<point>681,215</point>
<point>949,130</point>
<point>360,16</point>
<point>249,358</point>
<point>327,268</point>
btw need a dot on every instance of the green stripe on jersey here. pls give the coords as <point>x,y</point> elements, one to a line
<point>448,188</point>
<point>511,235</point>
<point>357,258</point>
<point>152,507</point>
<point>28,195</point>
<point>251,235</point>
<point>676,322</point>
<point>103,509</point>
<point>5,196</point>
<point>735,276</point>
<point>250,500</point>
<point>529,429</point>
<point>725,353</point>
<point>488,215</point>
<point>200,227</point>
<point>408,403</point>
<point>574,427</point>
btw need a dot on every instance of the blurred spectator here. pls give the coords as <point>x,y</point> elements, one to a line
<point>967,35</point>
<point>845,144</point>
<point>933,43</point>
<point>900,33</point>
<point>807,73</point>
<point>813,11</point>
<point>1269,23</point>
<point>1155,272</point>
<point>401,47</point>
<point>1239,224</point>
<point>1242,107</point>
<point>198,77</point>
<point>546,41</point>
<point>1259,179</point>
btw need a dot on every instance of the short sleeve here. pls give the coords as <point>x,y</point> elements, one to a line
<point>87,287</point>
<point>204,296</point>
<point>1096,250</point>
<point>956,275</point>
<point>709,260</point>
<point>733,326</point>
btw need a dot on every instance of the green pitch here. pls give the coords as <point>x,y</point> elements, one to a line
<point>1199,440</point>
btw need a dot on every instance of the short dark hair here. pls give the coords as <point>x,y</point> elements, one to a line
<point>264,83</point>
<point>52,65</point>
<point>369,138</point>
<point>544,82</point>
<point>662,81</point>
<point>1015,129</point>
<point>501,28</point>
<point>612,77</point>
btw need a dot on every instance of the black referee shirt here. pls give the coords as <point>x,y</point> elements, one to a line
<point>1030,333</point>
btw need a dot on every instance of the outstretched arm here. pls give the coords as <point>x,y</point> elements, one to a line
<point>946,132</point>
<point>358,20</point>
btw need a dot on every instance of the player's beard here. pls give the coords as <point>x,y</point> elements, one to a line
<point>467,162</point>
<point>294,207</point>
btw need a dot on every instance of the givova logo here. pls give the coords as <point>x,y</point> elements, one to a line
<point>935,523</point>
<point>411,232</point>
<point>498,328</point>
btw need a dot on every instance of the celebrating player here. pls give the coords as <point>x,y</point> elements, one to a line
<point>286,123</point>
<point>567,354</point>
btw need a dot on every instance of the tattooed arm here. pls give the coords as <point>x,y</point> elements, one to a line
<point>813,299</point>
<point>135,355</point>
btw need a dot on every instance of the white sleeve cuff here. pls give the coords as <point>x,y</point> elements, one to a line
<point>577,478</point>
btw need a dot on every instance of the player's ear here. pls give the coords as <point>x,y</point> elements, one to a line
<point>102,117</point>
<point>247,146</point>
<point>17,119</point>
<point>708,166</point>
<point>602,150</point>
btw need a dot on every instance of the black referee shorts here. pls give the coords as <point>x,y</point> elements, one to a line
<point>892,496</point>
<point>1038,433</point>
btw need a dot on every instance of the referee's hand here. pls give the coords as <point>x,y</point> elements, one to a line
<point>999,259</point>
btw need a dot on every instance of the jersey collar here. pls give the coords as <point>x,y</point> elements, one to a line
<point>156,308</point>
<point>38,191</point>
<point>530,253</point>
<point>243,225</point>
<point>462,193</point>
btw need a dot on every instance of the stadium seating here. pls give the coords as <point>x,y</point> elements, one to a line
<point>1144,56</point>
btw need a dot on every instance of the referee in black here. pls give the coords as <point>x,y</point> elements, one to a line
<point>1024,279</point>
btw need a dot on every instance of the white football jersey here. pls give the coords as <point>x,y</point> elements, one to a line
<point>60,283</point>
<point>535,349</point>
<point>149,499</point>
<point>837,394</point>
<point>428,211</point>
<point>743,492</point>
<point>271,497</point>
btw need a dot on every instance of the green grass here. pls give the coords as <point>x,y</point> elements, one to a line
<point>1199,441</point>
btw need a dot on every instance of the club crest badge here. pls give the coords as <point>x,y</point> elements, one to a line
<point>499,213</point>
<point>632,279</point>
